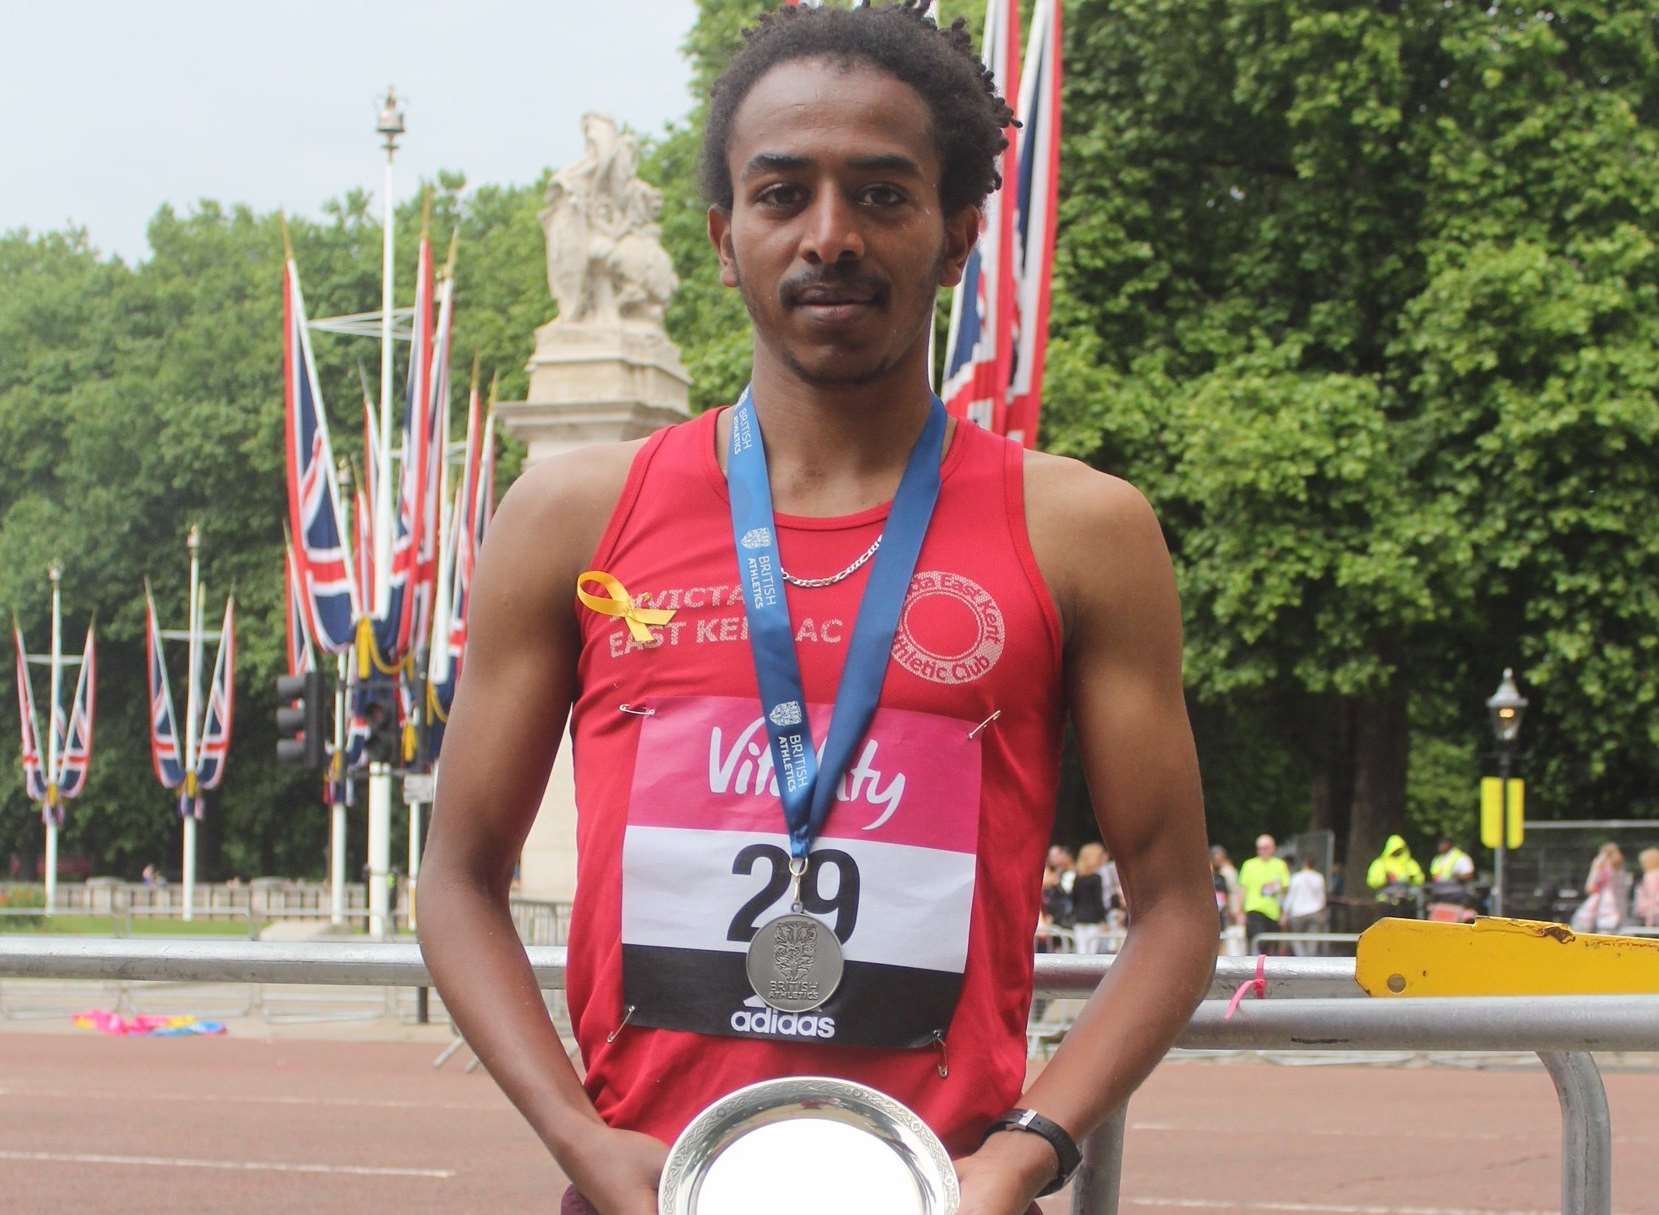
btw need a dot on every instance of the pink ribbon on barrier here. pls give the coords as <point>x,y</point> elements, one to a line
<point>1258,985</point>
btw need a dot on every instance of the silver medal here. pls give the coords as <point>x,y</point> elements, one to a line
<point>794,963</point>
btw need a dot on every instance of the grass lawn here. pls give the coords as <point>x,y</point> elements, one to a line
<point>107,926</point>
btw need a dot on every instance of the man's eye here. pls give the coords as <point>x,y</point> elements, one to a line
<point>883,196</point>
<point>780,195</point>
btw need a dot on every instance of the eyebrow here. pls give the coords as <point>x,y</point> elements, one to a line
<point>785,162</point>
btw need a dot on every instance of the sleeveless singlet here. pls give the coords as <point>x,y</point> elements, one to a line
<point>929,866</point>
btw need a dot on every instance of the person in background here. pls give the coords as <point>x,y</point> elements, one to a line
<point>1224,876</point>
<point>1091,897</point>
<point>1264,879</point>
<point>1395,874</point>
<point>1608,888</point>
<point>1064,864</point>
<point>1647,890</point>
<point>1450,890</point>
<point>1059,873</point>
<point>1451,864</point>
<point>1306,909</point>
<point>1048,938</point>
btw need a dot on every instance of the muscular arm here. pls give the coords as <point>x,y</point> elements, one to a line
<point>509,714</point>
<point>1123,680</point>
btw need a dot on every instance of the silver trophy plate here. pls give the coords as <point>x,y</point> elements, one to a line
<point>809,1145</point>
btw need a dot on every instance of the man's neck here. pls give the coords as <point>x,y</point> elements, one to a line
<point>836,449</point>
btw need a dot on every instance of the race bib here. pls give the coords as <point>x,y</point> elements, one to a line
<point>705,863</point>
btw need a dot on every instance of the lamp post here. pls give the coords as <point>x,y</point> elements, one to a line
<point>1506,707</point>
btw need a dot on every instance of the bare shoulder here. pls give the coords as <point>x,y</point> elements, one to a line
<point>541,537</point>
<point>559,507</point>
<point>1097,540</point>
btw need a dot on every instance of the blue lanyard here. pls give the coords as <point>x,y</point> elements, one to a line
<point>807,784</point>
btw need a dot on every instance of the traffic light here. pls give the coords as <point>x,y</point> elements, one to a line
<point>301,725</point>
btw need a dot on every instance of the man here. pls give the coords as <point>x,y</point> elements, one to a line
<point>1451,865</point>
<point>846,155</point>
<point>1264,878</point>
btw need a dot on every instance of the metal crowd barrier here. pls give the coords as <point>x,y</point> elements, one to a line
<point>1328,1012</point>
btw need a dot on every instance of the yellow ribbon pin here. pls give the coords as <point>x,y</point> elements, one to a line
<point>619,603</point>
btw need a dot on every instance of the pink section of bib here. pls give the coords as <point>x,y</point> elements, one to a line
<point>704,763</point>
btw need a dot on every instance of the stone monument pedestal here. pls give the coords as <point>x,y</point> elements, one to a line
<point>597,383</point>
<point>589,383</point>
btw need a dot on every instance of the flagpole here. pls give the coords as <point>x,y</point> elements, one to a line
<point>337,786</point>
<point>380,777</point>
<point>337,810</point>
<point>194,541</point>
<point>52,743</point>
<point>389,128</point>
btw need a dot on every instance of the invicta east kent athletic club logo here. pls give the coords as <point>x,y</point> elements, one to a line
<point>951,630</point>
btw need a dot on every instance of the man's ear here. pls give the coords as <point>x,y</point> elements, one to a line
<point>720,236</point>
<point>961,234</point>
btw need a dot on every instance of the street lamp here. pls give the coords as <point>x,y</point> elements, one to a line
<point>1507,706</point>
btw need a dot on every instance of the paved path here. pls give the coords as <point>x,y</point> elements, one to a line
<point>278,1123</point>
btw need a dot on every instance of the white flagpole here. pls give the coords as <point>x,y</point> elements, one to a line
<point>194,540</point>
<point>52,744</point>
<point>337,807</point>
<point>337,811</point>
<point>380,775</point>
<point>389,128</point>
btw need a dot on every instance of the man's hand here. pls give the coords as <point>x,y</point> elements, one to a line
<point>1004,1176</point>
<point>617,1171</point>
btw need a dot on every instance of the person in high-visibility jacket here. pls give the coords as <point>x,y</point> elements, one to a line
<point>1394,868</point>
<point>1451,864</point>
<point>1264,879</point>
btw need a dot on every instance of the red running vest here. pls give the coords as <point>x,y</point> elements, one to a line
<point>929,866</point>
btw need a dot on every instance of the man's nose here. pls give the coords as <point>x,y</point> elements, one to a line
<point>832,233</point>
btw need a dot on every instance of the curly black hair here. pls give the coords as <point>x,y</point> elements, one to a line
<point>969,117</point>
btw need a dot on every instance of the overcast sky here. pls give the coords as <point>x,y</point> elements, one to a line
<point>115,108</point>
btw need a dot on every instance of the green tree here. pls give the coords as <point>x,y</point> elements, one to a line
<point>1361,297</point>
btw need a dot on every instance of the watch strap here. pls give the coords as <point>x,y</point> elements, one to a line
<point>1065,1147</point>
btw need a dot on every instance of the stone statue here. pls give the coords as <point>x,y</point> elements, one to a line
<point>605,260</point>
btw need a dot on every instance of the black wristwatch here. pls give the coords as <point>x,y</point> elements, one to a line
<point>1065,1147</point>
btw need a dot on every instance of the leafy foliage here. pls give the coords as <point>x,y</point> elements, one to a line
<point>1364,297</point>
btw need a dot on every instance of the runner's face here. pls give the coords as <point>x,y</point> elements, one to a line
<point>835,235</point>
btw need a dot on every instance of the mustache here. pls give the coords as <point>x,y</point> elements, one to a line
<point>830,278</point>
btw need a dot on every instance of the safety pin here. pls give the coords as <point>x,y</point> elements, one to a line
<point>637,712</point>
<point>627,1016</point>
<point>994,715</point>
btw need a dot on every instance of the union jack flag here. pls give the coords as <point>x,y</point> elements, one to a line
<point>357,729</point>
<point>214,748</point>
<point>979,350</point>
<point>474,502</point>
<point>392,629</point>
<point>75,750</point>
<point>301,657</point>
<point>431,472</point>
<point>166,755</point>
<point>1036,210</point>
<point>324,551</point>
<point>34,768</point>
<point>363,518</point>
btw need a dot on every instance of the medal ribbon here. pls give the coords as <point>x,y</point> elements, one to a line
<point>807,783</point>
